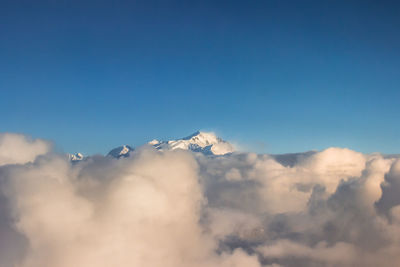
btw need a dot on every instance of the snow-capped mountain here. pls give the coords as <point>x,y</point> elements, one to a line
<point>204,142</point>
<point>75,157</point>
<point>121,151</point>
<point>207,143</point>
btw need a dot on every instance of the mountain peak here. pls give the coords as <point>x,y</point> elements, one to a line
<point>121,151</point>
<point>206,142</point>
<point>192,135</point>
<point>75,157</point>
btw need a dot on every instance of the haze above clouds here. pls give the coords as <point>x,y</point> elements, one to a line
<point>336,207</point>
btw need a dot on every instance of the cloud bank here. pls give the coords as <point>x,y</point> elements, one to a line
<point>336,207</point>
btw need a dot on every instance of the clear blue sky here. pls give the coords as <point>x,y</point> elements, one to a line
<point>275,76</point>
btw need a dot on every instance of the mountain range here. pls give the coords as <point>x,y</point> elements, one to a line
<point>203,142</point>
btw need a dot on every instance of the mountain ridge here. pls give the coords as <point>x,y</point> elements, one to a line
<point>206,143</point>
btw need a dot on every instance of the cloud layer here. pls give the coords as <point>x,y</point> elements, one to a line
<point>336,207</point>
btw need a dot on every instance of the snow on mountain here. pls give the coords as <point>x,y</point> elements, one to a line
<point>75,157</point>
<point>121,151</point>
<point>206,142</point>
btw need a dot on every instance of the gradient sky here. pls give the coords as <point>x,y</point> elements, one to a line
<point>273,76</point>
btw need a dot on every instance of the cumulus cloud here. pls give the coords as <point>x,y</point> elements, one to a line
<point>140,211</point>
<point>336,207</point>
<point>19,149</point>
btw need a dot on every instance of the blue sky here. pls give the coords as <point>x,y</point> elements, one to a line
<point>273,76</point>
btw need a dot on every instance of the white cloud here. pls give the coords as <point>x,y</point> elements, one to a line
<point>336,207</point>
<point>145,213</point>
<point>19,149</point>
